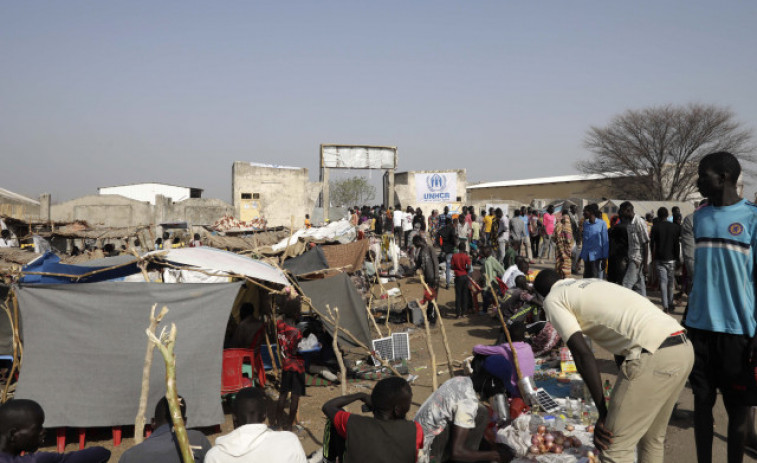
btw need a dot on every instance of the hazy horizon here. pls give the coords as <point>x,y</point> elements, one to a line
<point>104,94</point>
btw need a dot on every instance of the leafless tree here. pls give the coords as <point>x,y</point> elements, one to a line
<point>660,148</point>
<point>351,191</point>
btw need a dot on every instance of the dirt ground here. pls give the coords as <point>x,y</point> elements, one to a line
<point>463,334</point>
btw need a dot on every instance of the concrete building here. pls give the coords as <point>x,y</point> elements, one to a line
<point>274,192</point>
<point>18,206</point>
<point>148,191</point>
<point>567,186</point>
<point>426,189</point>
<point>118,211</point>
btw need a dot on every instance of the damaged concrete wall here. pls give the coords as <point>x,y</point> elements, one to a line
<point>278,192</point>
<point>118,211</point>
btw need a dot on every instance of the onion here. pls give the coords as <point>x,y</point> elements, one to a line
<point>569,427</point>
<point>549,445</point>
<point>535,440</point>
<point>541,429</point>
<point>549,438</point>
<point>559,440</point>
<point>576,442</point>
<point>568,443</point>
<point>590,428</point>
<point>557,449</point>
<point>542,448</point>
<point>534,449</point>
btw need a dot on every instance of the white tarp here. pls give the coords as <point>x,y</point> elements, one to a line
<point>436,187</point>
<point>341,231</point>
<point>224,262</point>
<point>359,157</point>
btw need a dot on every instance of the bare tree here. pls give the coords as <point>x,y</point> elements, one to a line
<point>659,148</point>
<point>351,191</point>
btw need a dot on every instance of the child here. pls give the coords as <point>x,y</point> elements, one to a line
<point>307,221</point>
<point>21,431</point>
<point>293,365</point>
<point>461,265</point>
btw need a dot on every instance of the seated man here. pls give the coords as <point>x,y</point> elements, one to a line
<point>21,431</point>
<point>252,439</point>
<point>515,275</point>
<point>162,445</point>
<point>522,349</point>
<point>454,422</point>
<point>249,332</point>
<point>388,436</point>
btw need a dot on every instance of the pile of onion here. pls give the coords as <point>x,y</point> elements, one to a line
<point>555,442</point>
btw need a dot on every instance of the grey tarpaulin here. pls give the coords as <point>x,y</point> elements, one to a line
<point>339,291</point>
<point>84,348</point>
<point>311,261</point>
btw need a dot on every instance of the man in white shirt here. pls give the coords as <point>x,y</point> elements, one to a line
<point>252,439</point>
<point>651,348</point>
<point>407,224</point>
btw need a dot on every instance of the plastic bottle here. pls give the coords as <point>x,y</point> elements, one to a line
<point>607,391</point>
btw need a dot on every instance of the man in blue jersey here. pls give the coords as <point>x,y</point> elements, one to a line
<point>721,313</point>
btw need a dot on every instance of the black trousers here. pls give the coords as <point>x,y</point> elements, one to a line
<point>461,296</point>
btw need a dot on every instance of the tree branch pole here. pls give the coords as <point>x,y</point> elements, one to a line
<point>337,352</point>
<point>443,330</point>
<point>372,318</point>
<point>7,310</point>
<point>434,381</point>
<point>166,345</point>
<point>139,421</point>
<point>509,340</point>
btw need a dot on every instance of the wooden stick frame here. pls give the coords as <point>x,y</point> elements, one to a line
<point>139,420</point>
<point>507,334</point>
<point>447,350</point>
<point>434,380</point>
<point>337,352</point>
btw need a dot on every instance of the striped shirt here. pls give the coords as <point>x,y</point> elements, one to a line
<point>723,298</point>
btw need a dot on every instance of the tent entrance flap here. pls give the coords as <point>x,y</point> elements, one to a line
<point>339,291</point>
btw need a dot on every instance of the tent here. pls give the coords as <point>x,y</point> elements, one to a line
<point>309,262</point>
<point>84,349</point>
<point>339,291</point>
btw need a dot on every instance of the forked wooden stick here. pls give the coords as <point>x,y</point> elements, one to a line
<point>443,330</point>
<point>507,334</point>
<point>434,381</point>
<point>139,421</point>
<point>337,352</point>
<point>166,345</point>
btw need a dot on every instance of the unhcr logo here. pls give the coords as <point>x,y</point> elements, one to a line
<point>436,184</point>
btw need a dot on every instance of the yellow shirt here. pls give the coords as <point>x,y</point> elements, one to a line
<point>488,224</point>
<point>618,319</point>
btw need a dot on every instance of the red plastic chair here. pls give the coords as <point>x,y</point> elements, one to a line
<point>231,377</point>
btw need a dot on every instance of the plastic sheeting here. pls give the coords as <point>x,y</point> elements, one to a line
<point>84,349</point>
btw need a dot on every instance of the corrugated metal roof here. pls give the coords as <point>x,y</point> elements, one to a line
<point>17,197</point>
<point>546,180</point>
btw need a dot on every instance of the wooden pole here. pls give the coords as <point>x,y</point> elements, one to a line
<point>337,352</point>
<point>166,345</point>
<point>443,330</point>
<point>14,329</point>
<point>372,318</point>
<point>139,421</point>
<point>434,381</point>
<point>507,334</point>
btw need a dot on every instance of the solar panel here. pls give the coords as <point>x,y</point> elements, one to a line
<point>384,349</point>
<point>401,343</point>
<point>545,401</point>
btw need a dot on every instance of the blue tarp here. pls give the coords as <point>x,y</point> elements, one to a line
<point>50,263</point>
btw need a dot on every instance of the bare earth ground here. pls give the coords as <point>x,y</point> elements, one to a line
<point>463,334</point>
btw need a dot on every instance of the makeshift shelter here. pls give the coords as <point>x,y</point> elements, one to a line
<point>83,358</point>
<point>349,257</point>
<point>312,261</point>
<point>339,291</point>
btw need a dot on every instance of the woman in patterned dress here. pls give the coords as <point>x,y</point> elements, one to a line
<point>563,237</point>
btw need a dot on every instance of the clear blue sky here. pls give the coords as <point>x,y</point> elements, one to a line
<point>105,93</point>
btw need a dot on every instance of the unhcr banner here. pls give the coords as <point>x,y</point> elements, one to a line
<point>436,188</point>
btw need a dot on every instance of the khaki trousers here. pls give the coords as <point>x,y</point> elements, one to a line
<point>642,401</point>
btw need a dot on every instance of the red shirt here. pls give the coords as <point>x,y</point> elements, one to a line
<point>289,337</point>
<point>460,264</point>
<point>340,424</point>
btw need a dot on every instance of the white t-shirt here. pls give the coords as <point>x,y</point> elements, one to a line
<point>510,275</point>
<point>618,319</point>
<point>454,402</point>
<point>407,221</point>
<point>397,217</point>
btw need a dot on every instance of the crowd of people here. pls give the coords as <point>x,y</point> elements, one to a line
<point>708,254</point>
